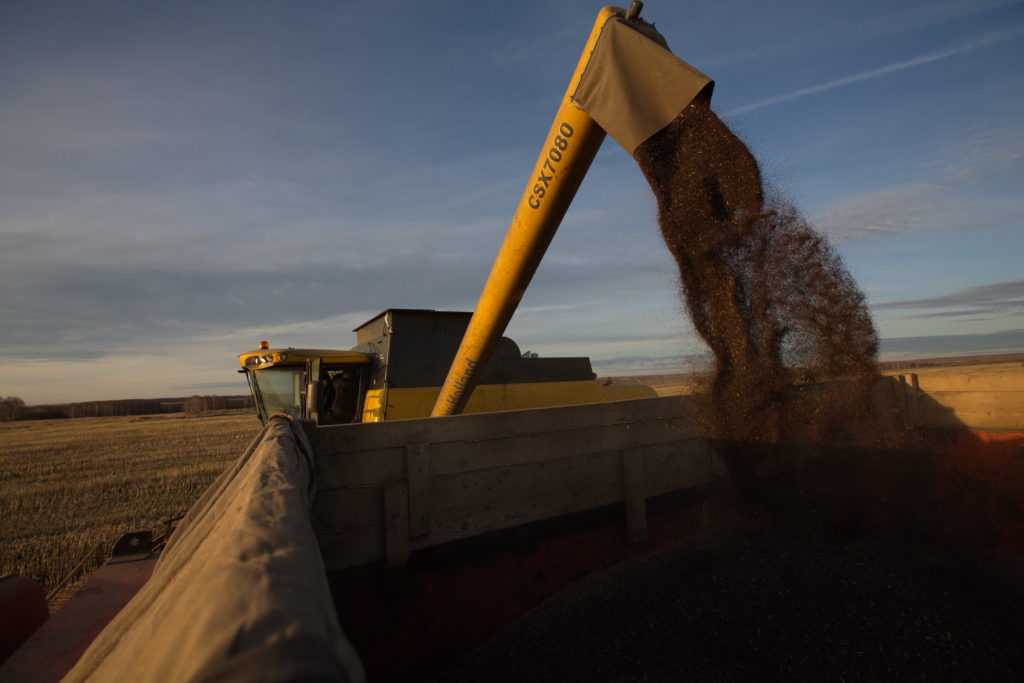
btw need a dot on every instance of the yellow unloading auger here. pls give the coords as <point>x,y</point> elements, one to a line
<point>626,84</point>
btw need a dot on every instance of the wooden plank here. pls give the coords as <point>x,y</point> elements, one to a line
<point>357,546</point>
<point>513,496</point>
<point>417,467</point>
<point>976,409</point>
<point>360,469</point>
<point>633,489</point>
<point>396,524</point>
<point>904,394</point>
<point>523,482</point>
<point>915,402</point>
<point>309,429</point>
<point>379,468</point>
<point>896,402</point>
<point>352,547</point>
<point>882,397</point>
<point>670,466</point>
<point>673,467</point>
<point>340,439</point>
<point>448,458</point>
<point>373,436</point>
<point>451,525</point>
<point>347,508</point>
<point>972,381</point>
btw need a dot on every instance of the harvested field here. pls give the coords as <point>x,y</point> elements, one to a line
<point>67,486</point>
<point>676,384</point>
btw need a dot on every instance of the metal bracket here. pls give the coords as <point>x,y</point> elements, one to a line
<point>132,545</point>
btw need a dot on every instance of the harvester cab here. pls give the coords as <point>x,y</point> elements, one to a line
<point>308,383</point>
<point>396,369</point>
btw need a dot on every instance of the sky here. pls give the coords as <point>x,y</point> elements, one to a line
<point>179,181</point>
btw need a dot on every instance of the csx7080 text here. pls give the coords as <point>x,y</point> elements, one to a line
<point>548,168</point>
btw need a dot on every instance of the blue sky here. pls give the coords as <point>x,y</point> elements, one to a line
<point>179,181</point>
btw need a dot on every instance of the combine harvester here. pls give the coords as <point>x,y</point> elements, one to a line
<point>357,543</point>
<point>396,369</point>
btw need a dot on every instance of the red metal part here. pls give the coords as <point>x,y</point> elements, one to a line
<point>23,606</point>
<point>52,650</point>
<point>979,490</point>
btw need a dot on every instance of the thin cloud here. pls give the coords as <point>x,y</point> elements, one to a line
<point>1004,294</point>
<point>927,58</point>
<point>971,316</point>
<point>885,211</point>
<point>987,152</point>
<point>1006,341</point>
<point>979,304</point>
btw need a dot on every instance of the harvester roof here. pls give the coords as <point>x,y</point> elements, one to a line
<point>266,358</point>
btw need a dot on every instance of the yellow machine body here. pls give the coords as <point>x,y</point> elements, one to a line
<point>386,403</point>
<point>396,369</point>
<point>268,358</point>
<point>404,404</point>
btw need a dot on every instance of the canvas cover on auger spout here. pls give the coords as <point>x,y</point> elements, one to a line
<point>633,86</point>
<point>240,592</point>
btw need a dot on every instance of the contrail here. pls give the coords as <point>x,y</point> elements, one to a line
<point>994,37</point>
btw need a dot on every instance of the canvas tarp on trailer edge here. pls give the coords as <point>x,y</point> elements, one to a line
<point>240,592</point>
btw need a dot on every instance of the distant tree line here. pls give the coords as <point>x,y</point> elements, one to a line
<point>201,404</point>
<point>13,408</point>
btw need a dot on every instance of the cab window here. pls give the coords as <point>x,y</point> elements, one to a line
<point>279,389</point>
<point>341,391</point>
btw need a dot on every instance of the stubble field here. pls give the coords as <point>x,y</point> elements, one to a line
<point>68,486</point>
